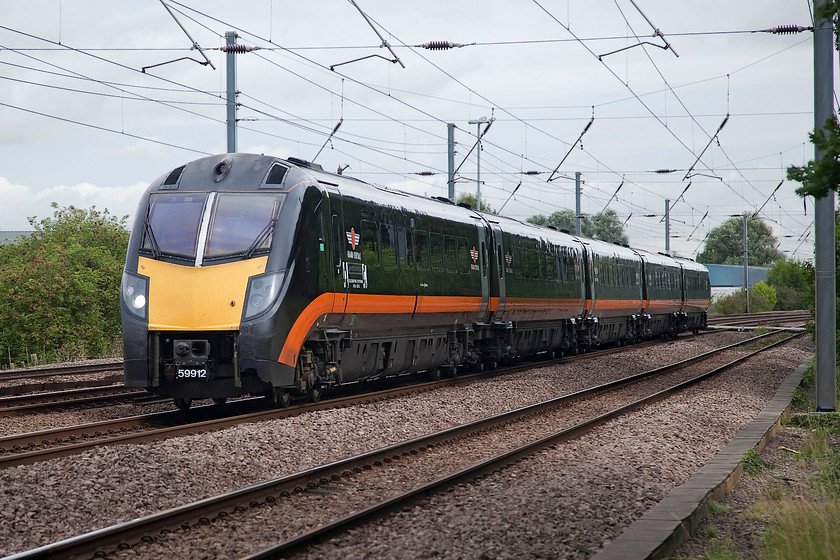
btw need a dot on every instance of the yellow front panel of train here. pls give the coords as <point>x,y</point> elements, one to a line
<point>197,298</point>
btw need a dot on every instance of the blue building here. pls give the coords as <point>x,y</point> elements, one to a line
<point>726,278</point>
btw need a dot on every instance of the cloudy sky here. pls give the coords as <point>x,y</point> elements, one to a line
<point>83,124</point>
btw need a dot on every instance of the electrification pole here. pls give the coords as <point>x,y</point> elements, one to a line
<point>478,124</point>
<point>824,223</point>
<point>746,270</point>
<point>577,202</point>
<point>667,227</point>
<point>450,136</point>
<point>230,42</point>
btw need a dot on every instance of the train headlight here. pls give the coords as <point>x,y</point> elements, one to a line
<point>262,291</point>
<point>135,290</point>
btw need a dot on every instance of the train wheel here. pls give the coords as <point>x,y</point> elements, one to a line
<point>492,364</point>
<point>478,367</point>
<point>449,371</point>
<point>182,403</point>
<point>219,400</point>
<point>434,374</point>
<point>315,392</point>
<point>280,398</point>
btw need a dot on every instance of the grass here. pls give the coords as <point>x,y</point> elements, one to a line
<point>803,530</point>
<point>722,548</point>
<point>753,463</point>
<point>714,508</point>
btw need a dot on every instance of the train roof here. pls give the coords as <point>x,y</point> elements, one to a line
<point>689,264</point>
<point>610,249</point>
<point>250,172</point>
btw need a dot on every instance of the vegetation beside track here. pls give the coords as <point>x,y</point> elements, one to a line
<point>796,523</point>
<point>61,288</point>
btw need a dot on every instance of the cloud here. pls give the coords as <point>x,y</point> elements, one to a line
<point>21,202</point>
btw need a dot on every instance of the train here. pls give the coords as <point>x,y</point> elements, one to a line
<point>250,274</point>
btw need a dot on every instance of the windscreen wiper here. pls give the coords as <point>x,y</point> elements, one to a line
<point>150,235</point>
<point>261,237</point>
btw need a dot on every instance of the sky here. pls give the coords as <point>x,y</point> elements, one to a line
<point>647,99</point>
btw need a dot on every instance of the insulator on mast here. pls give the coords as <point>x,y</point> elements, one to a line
<point>788,29</point>
<point>237,49</point>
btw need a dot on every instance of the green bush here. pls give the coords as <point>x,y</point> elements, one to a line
<point>762,298</point>
<point>61,284</point>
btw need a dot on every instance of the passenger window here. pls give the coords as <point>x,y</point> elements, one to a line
<point>450,252</point>
<point>404,250</point>
<point>369,244</point>
<point>421,250</point>
<point>388,246</point>
<point>437,251</point>
<point>464,256</point>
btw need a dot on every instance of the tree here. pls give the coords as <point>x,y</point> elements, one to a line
<point>604,226</point>
<point>725,244</point>
<point>820,178</point>
<point>61,284</point>
<point>794,283</point>
<point>470,200</point>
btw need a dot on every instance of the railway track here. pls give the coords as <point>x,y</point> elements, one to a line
<point>68,393</point>
<point>32,447</point>
<point>36,402</point>
<point>767,318</point>
<point>61,370</point>
<point>333,480</point>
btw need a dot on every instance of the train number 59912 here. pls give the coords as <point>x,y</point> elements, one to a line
<point>185,373</point>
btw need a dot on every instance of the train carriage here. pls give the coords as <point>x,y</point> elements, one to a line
<point>542,292</point>
<point>662,294</point>
<point>696,294</point>
<point>614,292</point>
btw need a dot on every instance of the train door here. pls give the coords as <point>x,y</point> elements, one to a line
<point>339,239</point>
<point>590,271</point>
<point>483,241</point>
<point>499,259</point>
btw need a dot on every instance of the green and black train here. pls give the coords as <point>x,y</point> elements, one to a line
<point>250,274</point>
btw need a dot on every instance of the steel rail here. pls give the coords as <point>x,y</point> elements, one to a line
<point>55,371</point>
<point>162,425</point>
<point>22,404</point>
<point>135,530</point>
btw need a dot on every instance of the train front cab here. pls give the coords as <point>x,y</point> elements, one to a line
<point>204,279</point>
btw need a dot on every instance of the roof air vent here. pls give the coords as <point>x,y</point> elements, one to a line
<point>171,181</point>
<point>276,175</point>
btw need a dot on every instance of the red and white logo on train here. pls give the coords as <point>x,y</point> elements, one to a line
<point>353,238</point>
